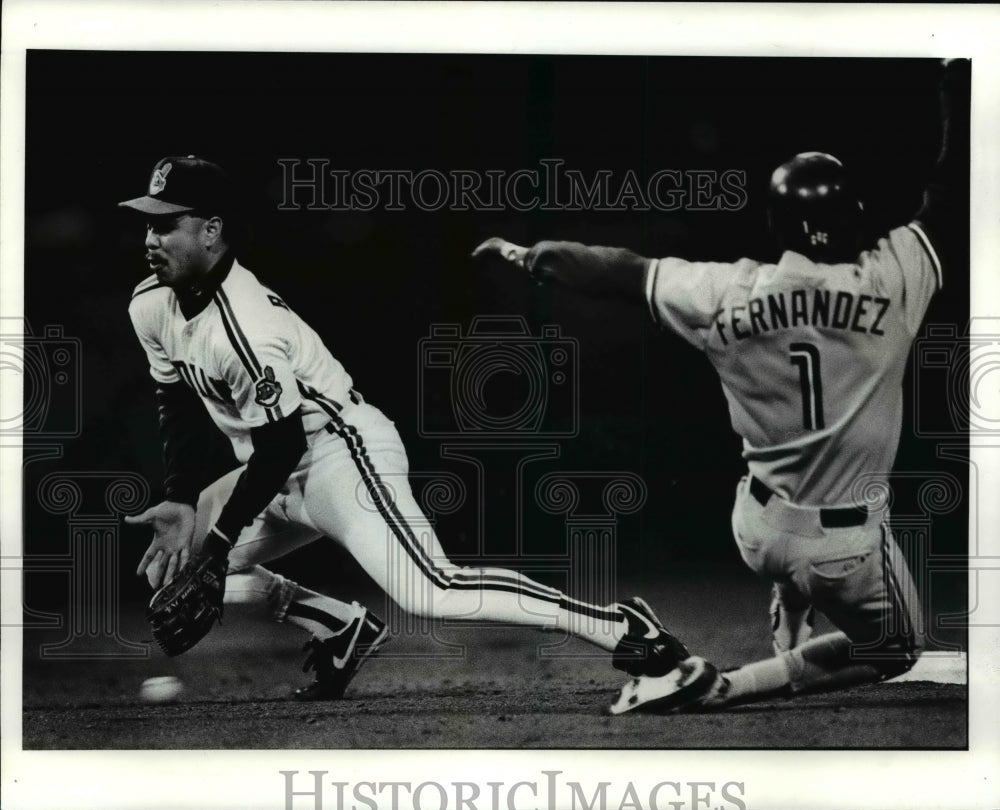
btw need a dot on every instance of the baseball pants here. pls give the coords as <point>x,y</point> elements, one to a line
<point>352,487</point>
<point>855,575</point>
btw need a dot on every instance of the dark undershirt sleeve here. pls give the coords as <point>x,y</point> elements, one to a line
<point>277,449</point>
<point>597,270</point>
<point>186,432</point>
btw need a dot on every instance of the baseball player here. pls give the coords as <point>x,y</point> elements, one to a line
<point>317,461</point>
<point>811,353</point>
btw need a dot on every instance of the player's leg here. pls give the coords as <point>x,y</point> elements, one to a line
<point>268,538</point>
<point>875,604</point>
<point>340,635</point>
<point>865,589</point>
<point>347,497</point>
<point>872,600</point>
<point>792,617</point>
<point>867,592</point>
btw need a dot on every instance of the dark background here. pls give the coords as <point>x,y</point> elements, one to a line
<point>373,283</point>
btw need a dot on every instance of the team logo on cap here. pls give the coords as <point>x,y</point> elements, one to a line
<point>268,389</point>
<point>159,179</point>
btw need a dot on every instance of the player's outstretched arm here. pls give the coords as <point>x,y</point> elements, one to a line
<point>604,271</point>
<point>948,189</point>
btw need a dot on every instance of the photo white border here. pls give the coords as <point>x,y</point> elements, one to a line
<point>174,780</point>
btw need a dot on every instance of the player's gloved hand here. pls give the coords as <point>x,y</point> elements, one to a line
<point>501,248</point>
<point>182,612</point>
<point>173,530</point>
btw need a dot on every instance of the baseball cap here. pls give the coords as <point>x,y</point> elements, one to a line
<point>180,184</point>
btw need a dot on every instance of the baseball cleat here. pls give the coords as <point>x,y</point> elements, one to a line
<point>695,686</point>
<point>646,648</point>
<point>336,660</point>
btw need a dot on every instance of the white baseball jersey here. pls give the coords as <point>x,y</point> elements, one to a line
<point>811,356</point>
<point>250,359</point>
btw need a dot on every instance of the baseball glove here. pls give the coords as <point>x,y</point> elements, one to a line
<point>183,611</point>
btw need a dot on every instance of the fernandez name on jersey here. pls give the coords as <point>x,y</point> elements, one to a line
<point>788,309</point>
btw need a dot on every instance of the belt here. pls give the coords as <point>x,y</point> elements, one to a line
<point>839,518</point>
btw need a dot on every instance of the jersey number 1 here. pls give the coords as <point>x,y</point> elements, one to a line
<point>806,357</point>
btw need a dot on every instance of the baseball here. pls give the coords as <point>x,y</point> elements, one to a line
<point>162,689</point>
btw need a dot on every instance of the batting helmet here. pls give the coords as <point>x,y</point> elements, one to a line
<point>813,210</point>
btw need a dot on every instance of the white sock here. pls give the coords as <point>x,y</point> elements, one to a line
<point>284,600</point>
<point>757,680</point>
<point>821,664</point>
<point>257,587</point>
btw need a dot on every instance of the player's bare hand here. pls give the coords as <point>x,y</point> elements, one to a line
<point>173,530</point>
<point>501,248</point>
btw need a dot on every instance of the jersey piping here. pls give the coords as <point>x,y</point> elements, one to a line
<point>929,248</point>
<point>242,347</point>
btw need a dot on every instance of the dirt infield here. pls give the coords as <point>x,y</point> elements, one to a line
<point>542,714</point>
<point>472,688</point>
